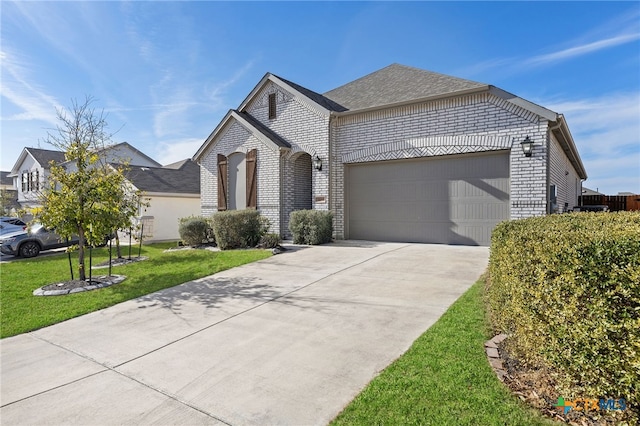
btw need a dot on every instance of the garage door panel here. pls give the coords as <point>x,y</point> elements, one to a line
<point>451,199</point>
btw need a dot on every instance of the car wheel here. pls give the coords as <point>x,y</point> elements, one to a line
<point>29,249</point>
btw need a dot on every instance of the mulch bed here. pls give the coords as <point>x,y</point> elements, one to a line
<point>73,284</point>
<point>537,388</point>
<point>78,286</point>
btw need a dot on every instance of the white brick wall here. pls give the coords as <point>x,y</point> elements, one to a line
<point>235,138</point>
<point>468,124</point>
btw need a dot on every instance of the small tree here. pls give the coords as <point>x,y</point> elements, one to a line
<point>86,196</point>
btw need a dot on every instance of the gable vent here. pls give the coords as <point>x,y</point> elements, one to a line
<point>272,106</point>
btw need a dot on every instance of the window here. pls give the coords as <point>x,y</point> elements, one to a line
<point>34,181</point>
<point>272,106</point>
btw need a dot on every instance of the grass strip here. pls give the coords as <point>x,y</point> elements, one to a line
<point>443,379</point>
<point>21,312</point>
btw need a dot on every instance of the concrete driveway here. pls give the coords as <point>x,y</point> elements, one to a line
<point>288,340</point>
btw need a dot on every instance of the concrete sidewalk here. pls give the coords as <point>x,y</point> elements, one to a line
<point>286,340</point>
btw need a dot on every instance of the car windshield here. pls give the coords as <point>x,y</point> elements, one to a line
<point>35,228</point>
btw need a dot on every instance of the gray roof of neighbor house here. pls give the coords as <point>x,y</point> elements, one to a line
<point>45,156</point>
<point>182,177</point>
<point>5,179</point>
<point>587,191</point>
<point>395,84</point>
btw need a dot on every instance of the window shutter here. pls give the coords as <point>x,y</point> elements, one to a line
<point>252,179</point>
<point>222,182</point>
<point>272,106</point>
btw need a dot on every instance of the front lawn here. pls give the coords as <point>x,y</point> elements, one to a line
<point>443,379</point>
<point>22,312</point>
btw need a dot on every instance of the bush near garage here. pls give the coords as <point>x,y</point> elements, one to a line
<point>196,230</point>
<point>566,288</point>
<point>239,228</point>
<point>311,226</point>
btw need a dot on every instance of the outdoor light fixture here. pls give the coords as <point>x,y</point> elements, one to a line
<point>527,146</point>
<point>317,163</point>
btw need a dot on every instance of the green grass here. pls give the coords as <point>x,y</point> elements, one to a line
<point>22,312</point>
<point>443,379</point>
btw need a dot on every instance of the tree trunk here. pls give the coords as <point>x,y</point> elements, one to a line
<point>118,251</point>
<point>81,272</point>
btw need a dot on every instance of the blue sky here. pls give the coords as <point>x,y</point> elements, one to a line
<point>167,72</point>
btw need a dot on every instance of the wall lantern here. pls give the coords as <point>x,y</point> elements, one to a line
<point>527,146</point>
<point>317,163</point>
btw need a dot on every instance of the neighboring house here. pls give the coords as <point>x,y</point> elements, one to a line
<point>30,173</point>
<point>121,153</point>
<point>588,192</point>
<point>33,165</point>
<point>401,154</point>
<point>173,192</point>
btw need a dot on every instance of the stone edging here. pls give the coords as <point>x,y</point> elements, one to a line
<point>120,262</point>
<point>491,348</point>
<point>106,282</point>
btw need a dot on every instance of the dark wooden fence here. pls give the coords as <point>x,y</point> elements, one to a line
<point>615,202</point>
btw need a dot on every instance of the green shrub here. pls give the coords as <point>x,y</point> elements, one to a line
<point>567,290</point>
<point>311,226</point>
<point>270,240</point>
<point>239,228</point>
<point>195,230</point>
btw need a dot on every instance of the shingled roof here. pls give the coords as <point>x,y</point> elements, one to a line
<point>184,179</point>
<point>395,84</point>
<point>5,179</point>
<point>273,136</point>
<point>316,97</point>
<point>45,156</point>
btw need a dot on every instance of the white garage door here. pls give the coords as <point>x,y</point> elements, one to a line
<point>455,199</point>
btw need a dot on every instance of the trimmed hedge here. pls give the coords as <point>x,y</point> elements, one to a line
<point>270,240</point>
<point>567,290</point>
<point>195,230</point>
<point>239,228</point>
<point>311,226</point>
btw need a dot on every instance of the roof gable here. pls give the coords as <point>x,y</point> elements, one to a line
<point>397,84</point>
<point>267,136</point>
<point>41,156</point>
<point>305,96</point>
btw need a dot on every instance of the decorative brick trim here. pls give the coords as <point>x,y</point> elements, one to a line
<point>491,348</point>
<point>429,146</point>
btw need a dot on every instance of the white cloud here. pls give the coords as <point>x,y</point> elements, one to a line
<point>171,151</point>
<point>606,130</point>
<point>581,49</point>
<point>616,32</point>
<point>33,101</point>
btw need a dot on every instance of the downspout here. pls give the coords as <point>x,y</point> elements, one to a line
<point>280,195</point>
<point>330,171</point>
<point>548,167</point>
